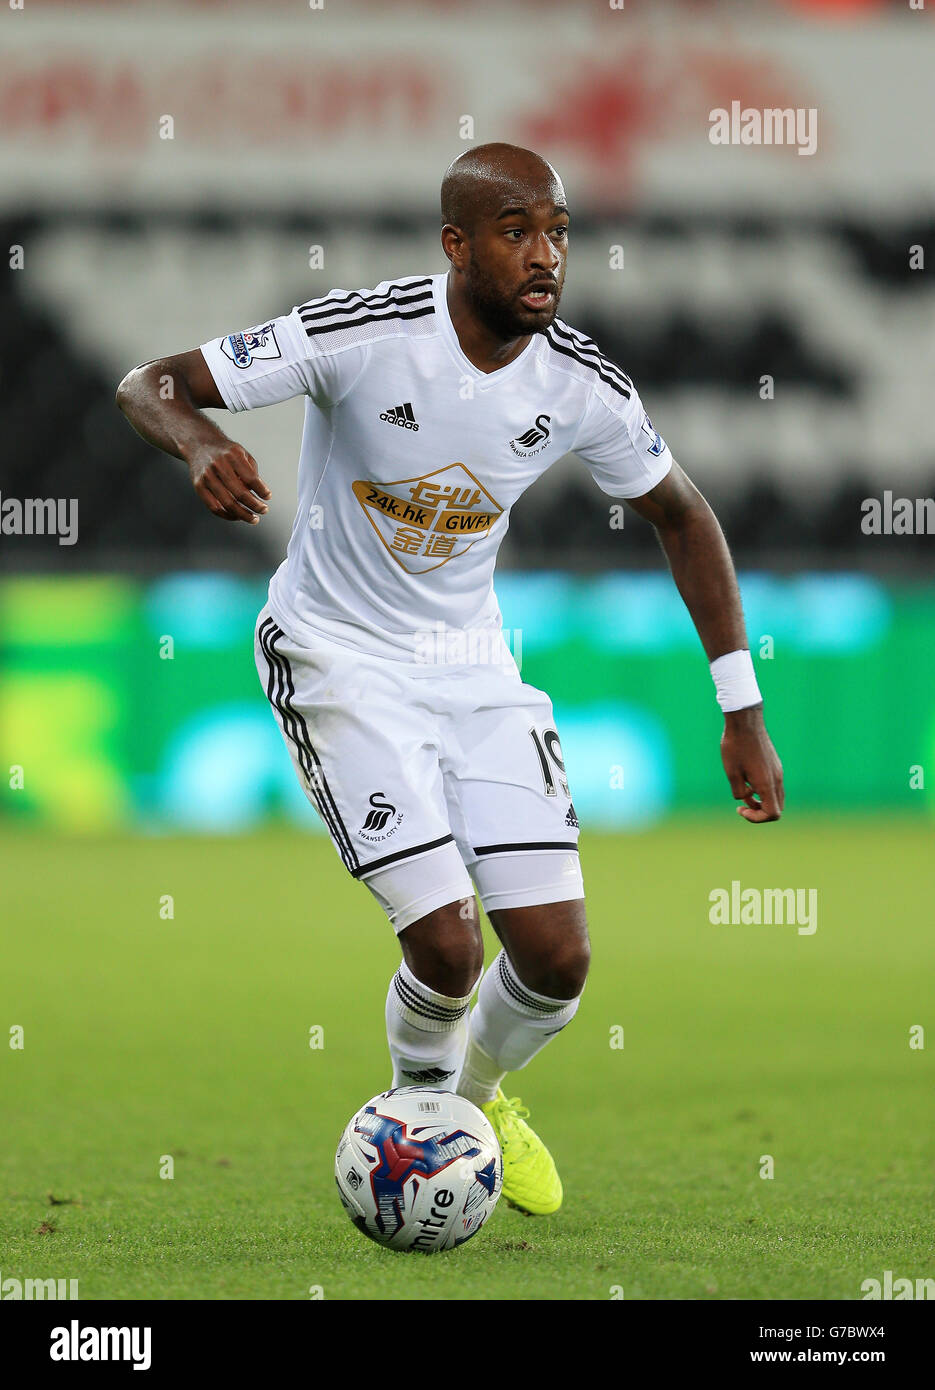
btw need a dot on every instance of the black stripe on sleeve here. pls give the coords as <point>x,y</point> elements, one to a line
<point>368,297</point>
<point>589,351</point>
<point>577,356</point>
<point>317,331</point>
<point>356,303</point>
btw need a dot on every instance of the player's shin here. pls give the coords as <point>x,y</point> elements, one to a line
<point>507,1027</point>
<point>426,1032</point>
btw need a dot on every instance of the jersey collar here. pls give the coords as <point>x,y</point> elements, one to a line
<point>483,380</point>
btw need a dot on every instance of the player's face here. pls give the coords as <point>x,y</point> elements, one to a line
<point>517,266</point>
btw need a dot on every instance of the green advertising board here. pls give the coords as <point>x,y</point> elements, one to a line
<point>132,704</point>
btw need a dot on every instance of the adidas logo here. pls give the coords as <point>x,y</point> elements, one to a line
<point>402,416</point>
<point>431,1075</point>
<point>570,817</point>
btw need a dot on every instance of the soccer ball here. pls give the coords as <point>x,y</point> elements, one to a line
<point>418,1169</point>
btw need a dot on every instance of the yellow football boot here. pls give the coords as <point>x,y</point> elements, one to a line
<point>530,1179</point>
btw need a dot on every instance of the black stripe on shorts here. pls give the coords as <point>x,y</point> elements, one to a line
<point>540,844</point>
<point>281,694</point>
<point>401,854</point>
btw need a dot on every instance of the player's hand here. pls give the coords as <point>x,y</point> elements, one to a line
<point>753,769</point>
<point>226,479</point>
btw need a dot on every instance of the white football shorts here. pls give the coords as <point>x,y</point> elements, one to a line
<point>431,779</point>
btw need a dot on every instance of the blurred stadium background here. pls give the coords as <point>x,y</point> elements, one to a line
<point>306,149</point>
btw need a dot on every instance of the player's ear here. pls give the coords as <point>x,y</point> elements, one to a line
<point>454,245</point>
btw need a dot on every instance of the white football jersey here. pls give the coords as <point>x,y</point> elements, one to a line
<point>412,457</point>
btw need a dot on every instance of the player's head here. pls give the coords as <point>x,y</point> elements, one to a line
<point>505,231</point>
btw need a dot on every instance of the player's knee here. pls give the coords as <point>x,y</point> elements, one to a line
<point>560,971</point>
<point>548,946</point>
<point>445,950</point>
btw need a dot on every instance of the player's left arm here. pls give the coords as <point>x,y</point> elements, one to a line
<point>703,571</point>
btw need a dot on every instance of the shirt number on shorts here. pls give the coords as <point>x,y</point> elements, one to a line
<point>549,751</point>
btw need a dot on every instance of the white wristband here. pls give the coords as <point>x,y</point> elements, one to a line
<point>735,682</point>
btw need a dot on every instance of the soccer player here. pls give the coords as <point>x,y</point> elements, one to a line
<point>432,403</point>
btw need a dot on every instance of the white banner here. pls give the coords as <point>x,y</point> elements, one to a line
<point>339,107</point>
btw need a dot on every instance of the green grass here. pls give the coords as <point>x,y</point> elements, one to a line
<point>189,1037</point>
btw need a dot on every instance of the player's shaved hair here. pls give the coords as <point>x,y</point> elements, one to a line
<point>482,181</point>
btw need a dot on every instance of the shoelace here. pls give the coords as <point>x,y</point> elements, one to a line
<point>507,1113</point>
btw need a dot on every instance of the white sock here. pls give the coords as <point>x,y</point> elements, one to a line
<point>509,1024</point>
<point>426,1032</point>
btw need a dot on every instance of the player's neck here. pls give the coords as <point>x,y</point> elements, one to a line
<point>482,348</point>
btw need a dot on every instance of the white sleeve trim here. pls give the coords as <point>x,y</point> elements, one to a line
<point>216,364</point>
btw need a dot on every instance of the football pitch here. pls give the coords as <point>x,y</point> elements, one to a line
<point>746,1049</point>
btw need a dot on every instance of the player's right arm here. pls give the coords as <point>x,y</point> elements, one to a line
<point>164,402</point>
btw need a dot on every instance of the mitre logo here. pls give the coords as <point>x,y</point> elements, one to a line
<point>424,522</point>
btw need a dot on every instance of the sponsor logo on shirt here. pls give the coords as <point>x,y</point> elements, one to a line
<point>533,440</point>
<point>425,522</point>
<point>242,348</point>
